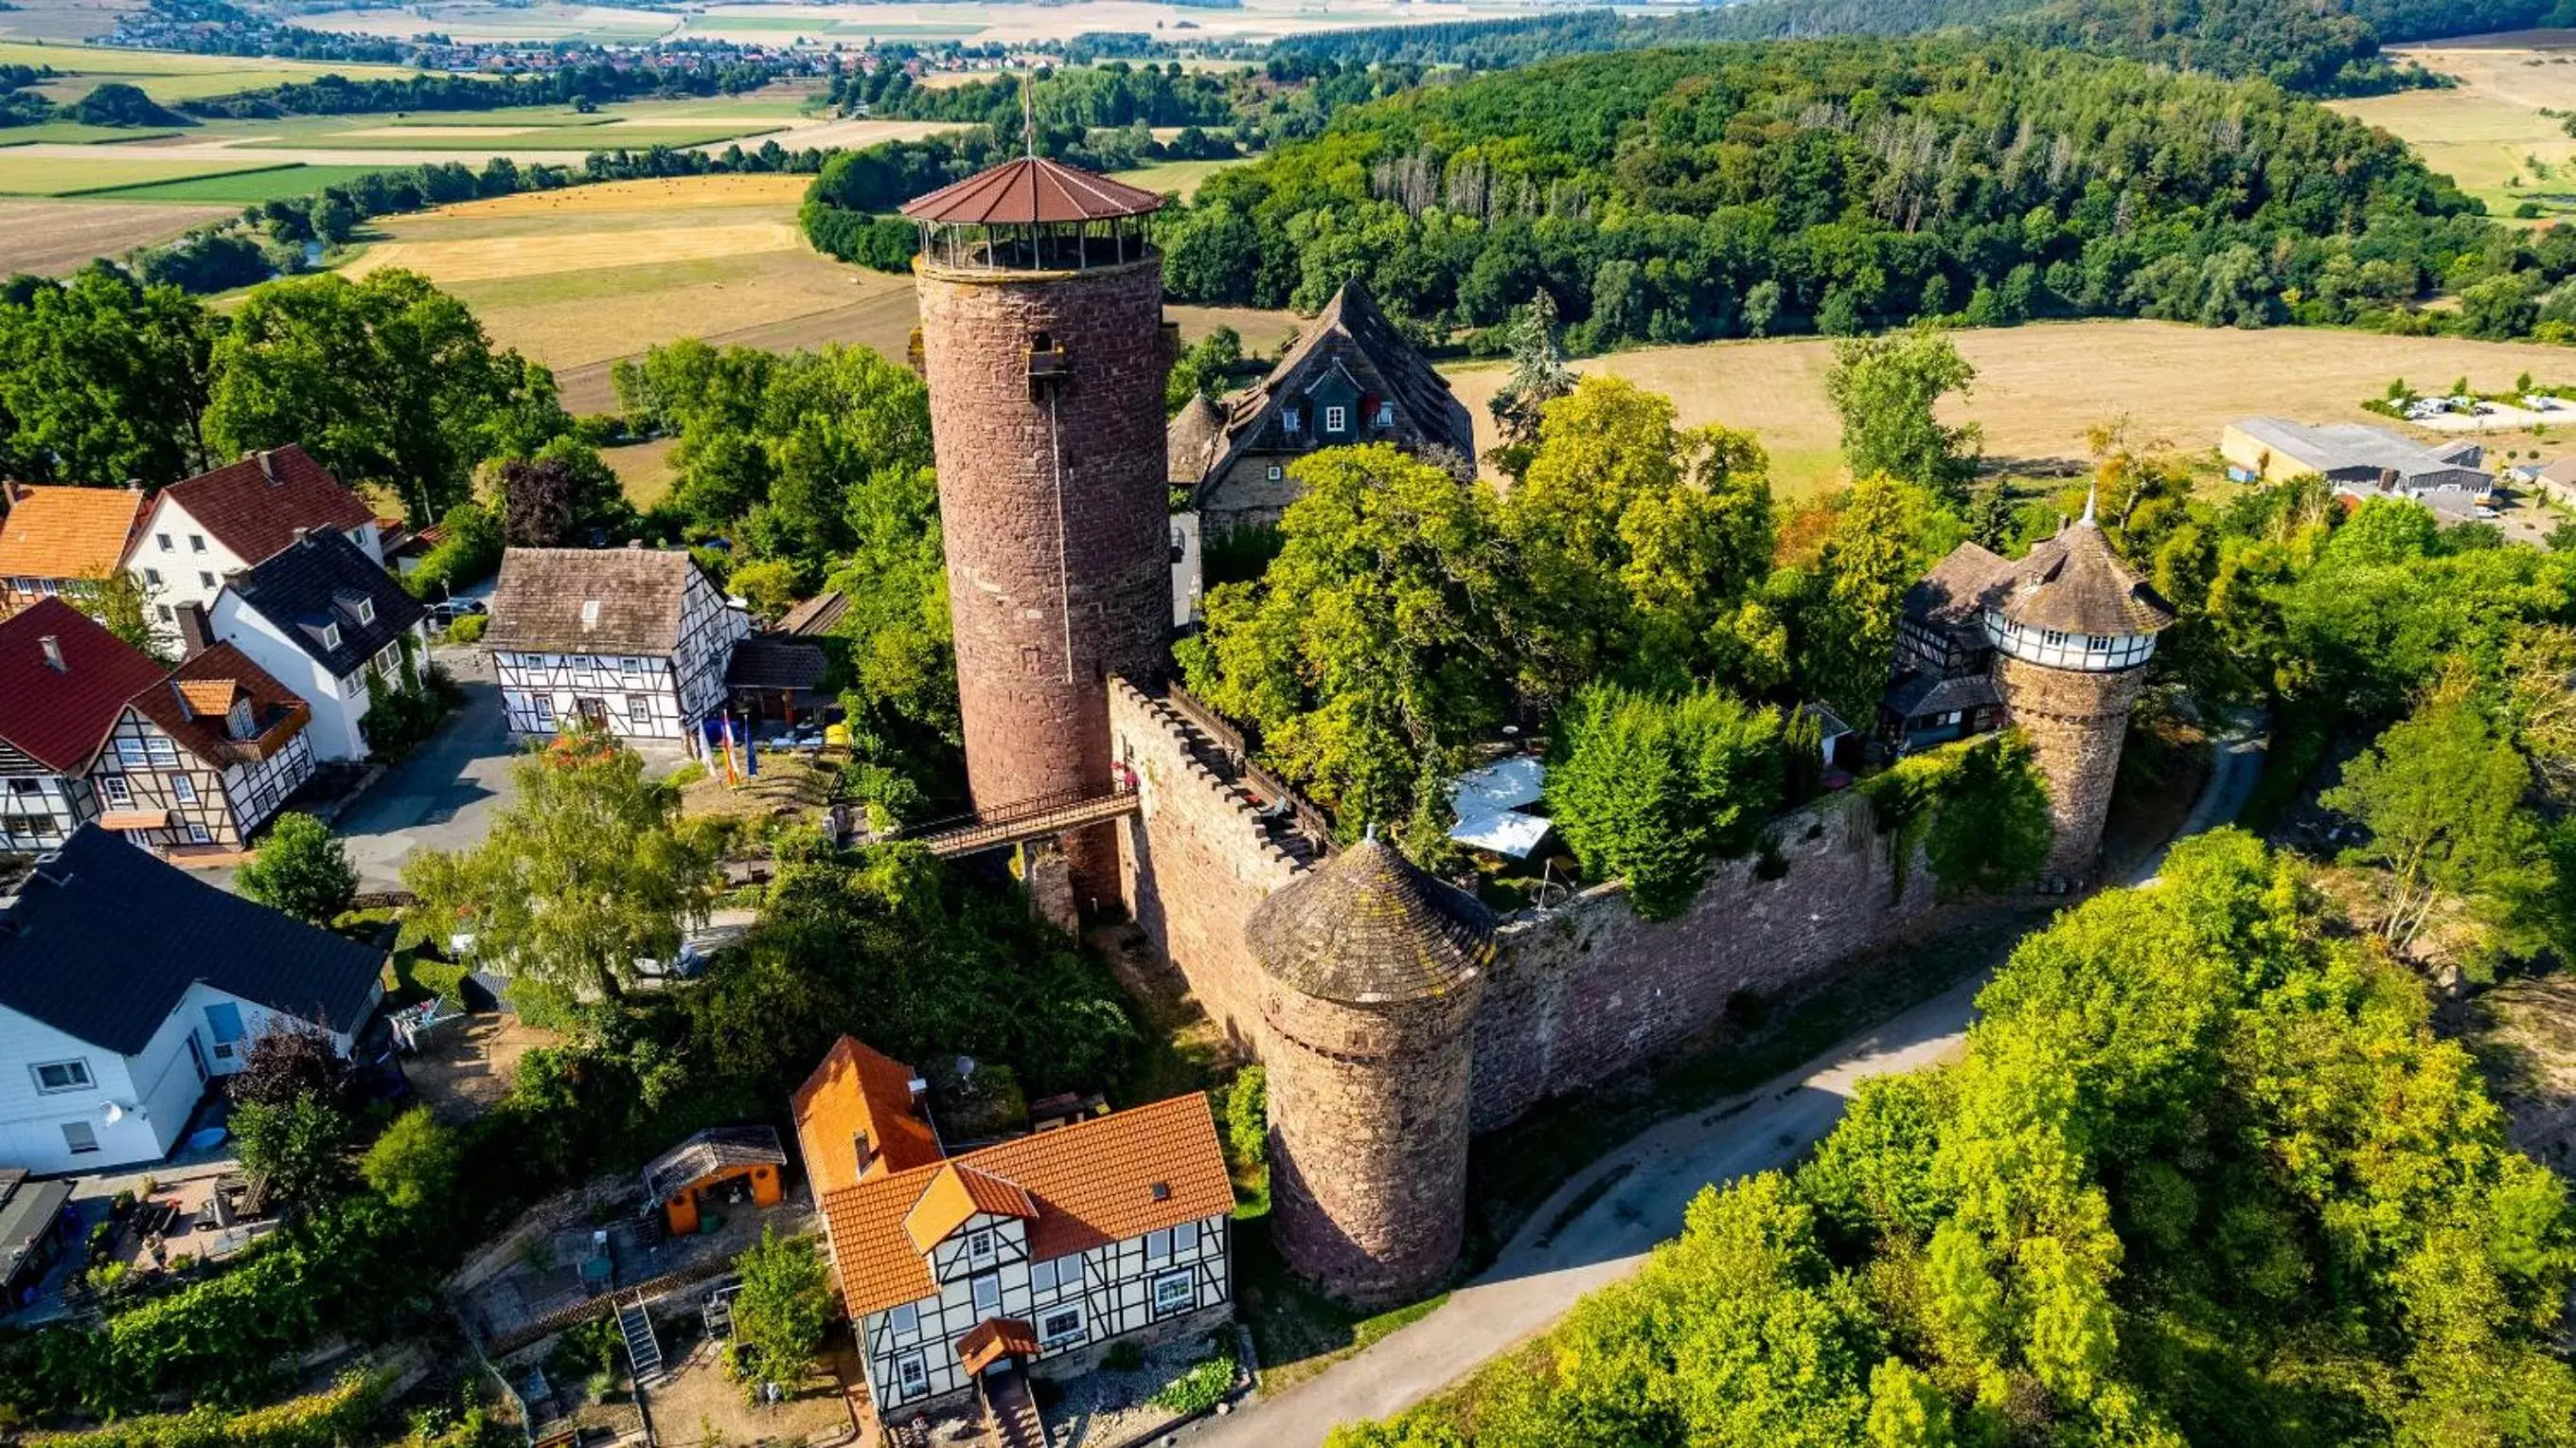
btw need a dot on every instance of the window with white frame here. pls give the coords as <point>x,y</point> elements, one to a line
<point>1060,1326</point>
<point>366,610</point>
<point>1174,1292</point>
<point>183,789</point>
<point>1158,1246</point>
<point>164,540</point>
<point>56,1076</point>
<point>1291,419</point>
<point>979,1247</point>
<point>161,751</point>
<point>911,1376</point>
<point>351,686</point>
<point>630,666</point>
<point>1185,1238</point>
<point>118,792</point>
<point>1277,472</point>
<point>197,834</point>
<point>205,579</point>
<point>904,1321</point>
<point>988,1293</point>
<point>639,711</point>
<point>152,576</point>
<point>545,707</point>
<point>1386,414</point>
<point>196,542</point>
<point>1336,418</point>
<point>330,635</point>
<point>79,1138</point>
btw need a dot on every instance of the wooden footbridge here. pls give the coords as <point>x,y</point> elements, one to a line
<point>1001,827</point>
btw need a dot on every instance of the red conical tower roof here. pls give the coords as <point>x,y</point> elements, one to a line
<point>1031,190</point>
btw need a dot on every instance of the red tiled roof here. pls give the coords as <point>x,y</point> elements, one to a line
<point>988,1341</point>
<point>190,707</point>
<point>1032,189</point>
<point>254,506</point>
<point>67,532</point>
<point>1098,1181</point>
<point>957,1194</point>
<point>858,1091</point>
<point>61,718</point>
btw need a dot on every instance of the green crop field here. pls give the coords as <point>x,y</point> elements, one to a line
<point>77,134</point>
<point>1181,176</point>
<point>485,139</point>
<point>81,175</point>
<point>239,188</point>
<point>169,75</point>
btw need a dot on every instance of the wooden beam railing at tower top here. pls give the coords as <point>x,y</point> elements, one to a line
<point>1019,821</point>
<point>1303,816</point>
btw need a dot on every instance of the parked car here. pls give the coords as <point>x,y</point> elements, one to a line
<point>444,613</point>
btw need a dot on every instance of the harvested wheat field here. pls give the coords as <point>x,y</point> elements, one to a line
<point>2040,387</point>
<point>2494,132</point>
<point>48,237</point>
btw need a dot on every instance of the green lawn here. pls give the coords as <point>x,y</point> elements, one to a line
<point>1181,176</point>
<point>453,137</point>
<point>83,176</point>
<point>239,188</point>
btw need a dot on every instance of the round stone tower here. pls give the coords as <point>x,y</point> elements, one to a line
<point>1043,345</point>
<point>2073,627</point>
<point>1370,974</point>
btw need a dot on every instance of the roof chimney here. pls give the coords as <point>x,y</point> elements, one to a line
<point>196,635</point>
<point>134,485</point>
<point>52,644</point>
<point>268,465</point>
<point>300,533</point>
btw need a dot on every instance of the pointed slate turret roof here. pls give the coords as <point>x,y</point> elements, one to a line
<point>2076,584</point>
<point>1366,928</point>
<point>1031,189</point>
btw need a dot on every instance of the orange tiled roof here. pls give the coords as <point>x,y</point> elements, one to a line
<point>993,1338</point>
<point>67,532</point>
<point>859,1091</point>
<point>956,1193</point>
<point>207,696</point>
<point>191,705</point>
<point>1098,1181</point>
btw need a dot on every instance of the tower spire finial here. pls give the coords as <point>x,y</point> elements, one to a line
<point>1029,112</point>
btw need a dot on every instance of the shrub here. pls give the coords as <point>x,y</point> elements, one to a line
<point>779,1315</point>
<point>413,1165</point>
<point>340,1414</point>
<point>1247,1118</point>
<point>1649,789</point>
<point>1978,809</point>
<point>468,629</point>
<point>302,870</point>
<point>1202,1385</point>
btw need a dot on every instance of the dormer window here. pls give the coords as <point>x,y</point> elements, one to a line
<point>330,635</point>
<point>590,613</point>
<point>366,610</point>
<point>979,1247</point>
<point>1386,414</point>
<point>237,720</point>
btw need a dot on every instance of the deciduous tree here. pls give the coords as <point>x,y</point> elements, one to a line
<point>1888,390</point>
<point>779,1315</point>
<point>302,869</point>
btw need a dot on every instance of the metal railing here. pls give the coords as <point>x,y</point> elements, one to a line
<point>1019,811</point>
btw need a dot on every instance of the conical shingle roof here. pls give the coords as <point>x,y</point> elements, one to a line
<point>2075,583</point>
<point>1368,928</point>
<point>1031,190</point>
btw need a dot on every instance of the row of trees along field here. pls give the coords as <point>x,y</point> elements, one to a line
<point>2206,1174</point>
<point>2319,48</point>
<point>1840,186</point>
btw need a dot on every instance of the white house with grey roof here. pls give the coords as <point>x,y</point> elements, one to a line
<point>126,985</point>
<point>327,621</point>
<point>2360,461</point>
<point>633,640</point>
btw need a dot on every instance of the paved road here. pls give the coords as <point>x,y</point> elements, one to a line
<point>1558,1257</point>
<point>444,795</point>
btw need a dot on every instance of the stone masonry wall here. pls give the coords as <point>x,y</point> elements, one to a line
<point>1593,990</point>
<point>1055,516</point>
<point>1195,862</point>
<point>2076,723</point>
<point>1569,1001</point>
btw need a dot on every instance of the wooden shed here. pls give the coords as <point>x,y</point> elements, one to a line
<point>708,1165</point>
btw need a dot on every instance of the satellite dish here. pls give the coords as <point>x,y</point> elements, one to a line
<point>114,1113</point>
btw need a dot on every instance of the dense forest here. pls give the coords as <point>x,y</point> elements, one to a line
<point>2330,47</point>
<point>1843,185</point>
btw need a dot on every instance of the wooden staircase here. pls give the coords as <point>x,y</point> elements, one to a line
<point>1010,1414</point>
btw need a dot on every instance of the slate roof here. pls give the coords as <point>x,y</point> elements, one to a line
<point>2075,583</point>
<point>1955,590</point>
<point>715,1150</point>
<point>60,719</point>
<point>816,615</point>
<point>1031,189</point>
<point>1349,330</point>
<point>67,532</point>
<point>1366,926</point>
<point>859,1091</point>
<point>774,661</point>
<point>1917,695</point>
<point>102,910</point>
<point>320,581</point>
<point>254,506</point>
<point>28,1210</point>
<point>190,707</point>
<point>1099,1181</point>
<point>538,605</point>
<point>1194,440</point>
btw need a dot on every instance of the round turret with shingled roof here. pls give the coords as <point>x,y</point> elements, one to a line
<point>1371,973</point>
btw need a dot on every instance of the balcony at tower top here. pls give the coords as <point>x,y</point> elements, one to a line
<point>1033,214</point>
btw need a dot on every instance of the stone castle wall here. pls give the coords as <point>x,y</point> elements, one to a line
<point>1195,862</point>
<point>1592,990</point>
<point>1054,506</point>
<point>1569,1001</point>
<point>2076,723</point>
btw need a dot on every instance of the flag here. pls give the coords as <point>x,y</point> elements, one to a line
<point>750,751</point>
<point>733,775</point>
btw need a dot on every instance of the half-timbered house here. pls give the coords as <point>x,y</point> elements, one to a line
<point>1940,689</point>
<point>204,757</point>
<point>1032,1254</point>
<point>632,640</point>
<point>60,542</point>
<point>1351,378</point>
<point>329,622</point>
<point>64,680</point>
<point>237,517</point>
